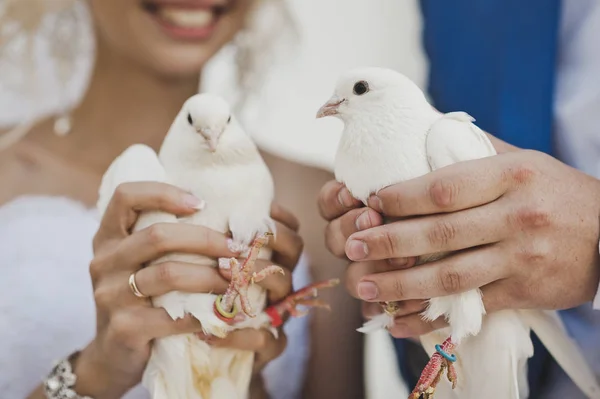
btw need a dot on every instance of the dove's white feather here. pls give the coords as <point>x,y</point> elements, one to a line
<point>237,188</point>
<point>552,333</point>
<point>454,138</point>
<point>392,134</point>
<point>497,355</point>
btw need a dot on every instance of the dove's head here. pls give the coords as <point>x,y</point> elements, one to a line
<point>208,116</point>
<point>370,89</point>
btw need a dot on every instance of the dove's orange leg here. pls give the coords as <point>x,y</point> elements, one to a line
<point>443,358</point>
<point>241,278</point>
<point>307,296</point>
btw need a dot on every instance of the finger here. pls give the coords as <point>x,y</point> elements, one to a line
<point>272,350</point>
<point>131,198</point>
<point>278,285</point>
<point>459,186</point>
<point>433,234</point>
<point>250,339</point>
<point>458,273</point>
<point>162,238</point>
<point>338,230</point>
<point>159,279</point>
<point>335,200</point>
<point>282,215</point>
<point>413,325</point>
<point>138,325</point>
<point>499,296</point>
<point>287,247</point>
<point>356,272</point>
<point>372,309</point>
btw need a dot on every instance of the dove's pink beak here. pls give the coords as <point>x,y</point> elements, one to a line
<point>212,138</point>
<point>330,108</point>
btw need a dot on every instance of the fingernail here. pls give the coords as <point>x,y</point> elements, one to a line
<point>224,263</point>
<point>193,202</point>
<point>357,250</point>
<point>233,247</point>
<point>375,203</point>
<point>363,221</point>
<point>345,198</point>
<point>367,290</point>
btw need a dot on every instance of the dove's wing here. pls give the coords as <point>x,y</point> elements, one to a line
<point>551,331</point>
<point>454,138</point>
<point>137,163</point>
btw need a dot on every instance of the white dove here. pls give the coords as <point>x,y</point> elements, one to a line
<point>207,153</point>
<point>392,134</point>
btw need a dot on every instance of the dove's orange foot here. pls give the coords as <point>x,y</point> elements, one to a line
<point>442,359</point>
<point>307,296</point>
<point>242,276</point>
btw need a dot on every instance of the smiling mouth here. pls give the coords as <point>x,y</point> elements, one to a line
<point>186,19</point>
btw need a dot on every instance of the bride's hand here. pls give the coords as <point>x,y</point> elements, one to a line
<point>126,325</point>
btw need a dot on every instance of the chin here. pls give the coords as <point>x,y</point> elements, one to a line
<point>175,38</point>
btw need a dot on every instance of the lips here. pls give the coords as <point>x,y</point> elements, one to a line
<point>186,19</point>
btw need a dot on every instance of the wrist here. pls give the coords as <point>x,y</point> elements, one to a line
<point>257,387</point>
<point>93,378</point>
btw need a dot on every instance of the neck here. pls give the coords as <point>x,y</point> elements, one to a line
<point>124,105</point>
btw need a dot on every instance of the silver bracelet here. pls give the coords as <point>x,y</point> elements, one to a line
<point>59,383</point>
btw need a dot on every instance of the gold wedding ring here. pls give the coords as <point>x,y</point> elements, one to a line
<point>134,287</point>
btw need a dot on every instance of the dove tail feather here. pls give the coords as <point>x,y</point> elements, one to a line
<point>168,374</point>
<point>377,323</point>
<point>551,331</point>
<point>464,312</point>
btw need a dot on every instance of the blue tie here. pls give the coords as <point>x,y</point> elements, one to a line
<point>494,59</point>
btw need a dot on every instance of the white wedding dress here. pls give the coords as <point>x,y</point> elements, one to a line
<point>47,306</point>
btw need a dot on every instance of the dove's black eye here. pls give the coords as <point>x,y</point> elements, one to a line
<point>190,121</point>
<point>361,88</point>
<point>229,120</point>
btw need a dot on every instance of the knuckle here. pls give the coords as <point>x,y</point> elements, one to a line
<point>97,267</point>
<point>398,289</point>
<point>157,236</point>
<point>327,199</point>
<point>441,233</point>
<point>397,200</point>
<point>122,194</point>
<point>390,244</point>
<point>103,296</point>
<point>530,217</point>
<point>443,193</point>
<point>332,242</point>
<point>205,238</point>
<point>450,280</point>
<point>536,251</point>
<point>122,328</point>
<point>165,273</point>
<point>523,171</point>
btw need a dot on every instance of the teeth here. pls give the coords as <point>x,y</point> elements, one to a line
<point>187,18</point>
